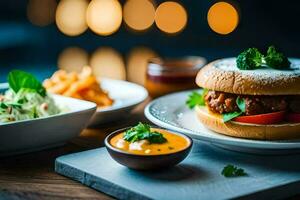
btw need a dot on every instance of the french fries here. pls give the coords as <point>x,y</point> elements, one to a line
<point>81,85</point>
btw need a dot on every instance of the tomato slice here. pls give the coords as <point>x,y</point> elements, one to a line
<point>293,117</point>
<point>268,118</point>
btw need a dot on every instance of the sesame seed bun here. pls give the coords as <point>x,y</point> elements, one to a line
<point>223,75</point>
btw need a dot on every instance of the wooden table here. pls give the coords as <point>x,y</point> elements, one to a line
<point>32,176</point>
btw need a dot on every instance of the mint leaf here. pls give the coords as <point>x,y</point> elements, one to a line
<point>18,79</point>
<point>196,99</point>
<point>233,171</point>
<point>240,102</point>
<point>143,132</point>
<point>229,116</point>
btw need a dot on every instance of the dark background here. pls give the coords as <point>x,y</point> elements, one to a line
<point>36,49</point>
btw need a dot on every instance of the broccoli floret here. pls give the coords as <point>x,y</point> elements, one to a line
<point>253,59</point>
<point>249,59</point>
<point>276,59</point>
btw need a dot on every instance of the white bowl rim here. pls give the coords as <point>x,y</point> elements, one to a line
<point>89,106</point>
<point>131,104</point>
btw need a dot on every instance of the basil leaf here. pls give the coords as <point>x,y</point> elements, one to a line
<point>18,79</point>
<point>240,102</point>
<point>196,99</point>
<point>3,105</point>
<point>229,116</point>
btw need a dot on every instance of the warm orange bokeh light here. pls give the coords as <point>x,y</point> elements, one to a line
<point>222,18</point>
<point>41,13</point>
<point>171,17</point>
<point>137,64</point>
<point>107,62</point>
<point>139,14</point>
<point>73,59</point>
<point>70,16</point>
<point>104,17</point>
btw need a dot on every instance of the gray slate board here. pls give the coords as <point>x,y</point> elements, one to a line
<point>197,177</point>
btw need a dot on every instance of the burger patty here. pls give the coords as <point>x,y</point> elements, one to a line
<point>294,104</point>
<point>221,102</point>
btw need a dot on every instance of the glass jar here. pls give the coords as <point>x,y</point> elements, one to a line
<point>172,74</point>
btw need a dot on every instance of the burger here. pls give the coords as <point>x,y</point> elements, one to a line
<point>253,96</point>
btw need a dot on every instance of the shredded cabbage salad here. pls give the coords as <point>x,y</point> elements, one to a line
<point>25,99</point>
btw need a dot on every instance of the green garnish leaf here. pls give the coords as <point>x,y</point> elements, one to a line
<point>249,59</point>
<point>196,99</point>
<point>233,171</point>
<point>18,79</point>
<point>253,59</point>
<point>229,116</point>
<point>276,59</point>
<point>3,105</point>
<point>143,132</point>
<point>240,102</point>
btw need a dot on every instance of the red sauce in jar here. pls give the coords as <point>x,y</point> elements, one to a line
<point>170,75</point>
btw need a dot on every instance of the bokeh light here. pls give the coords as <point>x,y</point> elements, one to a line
<point>222,18</point>
<point>171,17</point>
<point>73,59</point>
<point>107,62</point>
<point>41,13</point>
<point>104,17</point>
<point>137,62</point>
<point>70,16</point>
<point>139,14</point>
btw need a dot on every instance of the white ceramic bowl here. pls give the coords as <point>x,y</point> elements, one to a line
<point>37,134</point>
<point>126,96</point>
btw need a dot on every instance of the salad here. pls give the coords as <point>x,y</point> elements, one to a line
<point>25,99</point>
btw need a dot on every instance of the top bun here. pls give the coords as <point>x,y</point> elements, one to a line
<point>224,76</point>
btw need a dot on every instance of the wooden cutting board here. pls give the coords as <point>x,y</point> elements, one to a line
<point>197,177</point>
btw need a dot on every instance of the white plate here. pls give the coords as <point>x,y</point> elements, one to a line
<point>126,96</point>
<point>171,112</point>
<point>37,134</point>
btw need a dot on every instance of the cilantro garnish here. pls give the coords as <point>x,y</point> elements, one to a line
<point>143,132</point>
<point>196,98</point>
<point>233,171</point>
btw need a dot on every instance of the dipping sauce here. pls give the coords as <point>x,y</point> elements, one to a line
<point>170,75</point>
<point>174,143</point>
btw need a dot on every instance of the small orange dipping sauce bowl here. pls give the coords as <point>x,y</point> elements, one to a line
<point>139,161</point>
<point>168,75</point>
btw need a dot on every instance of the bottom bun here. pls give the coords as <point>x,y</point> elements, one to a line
<point>250,131</point>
